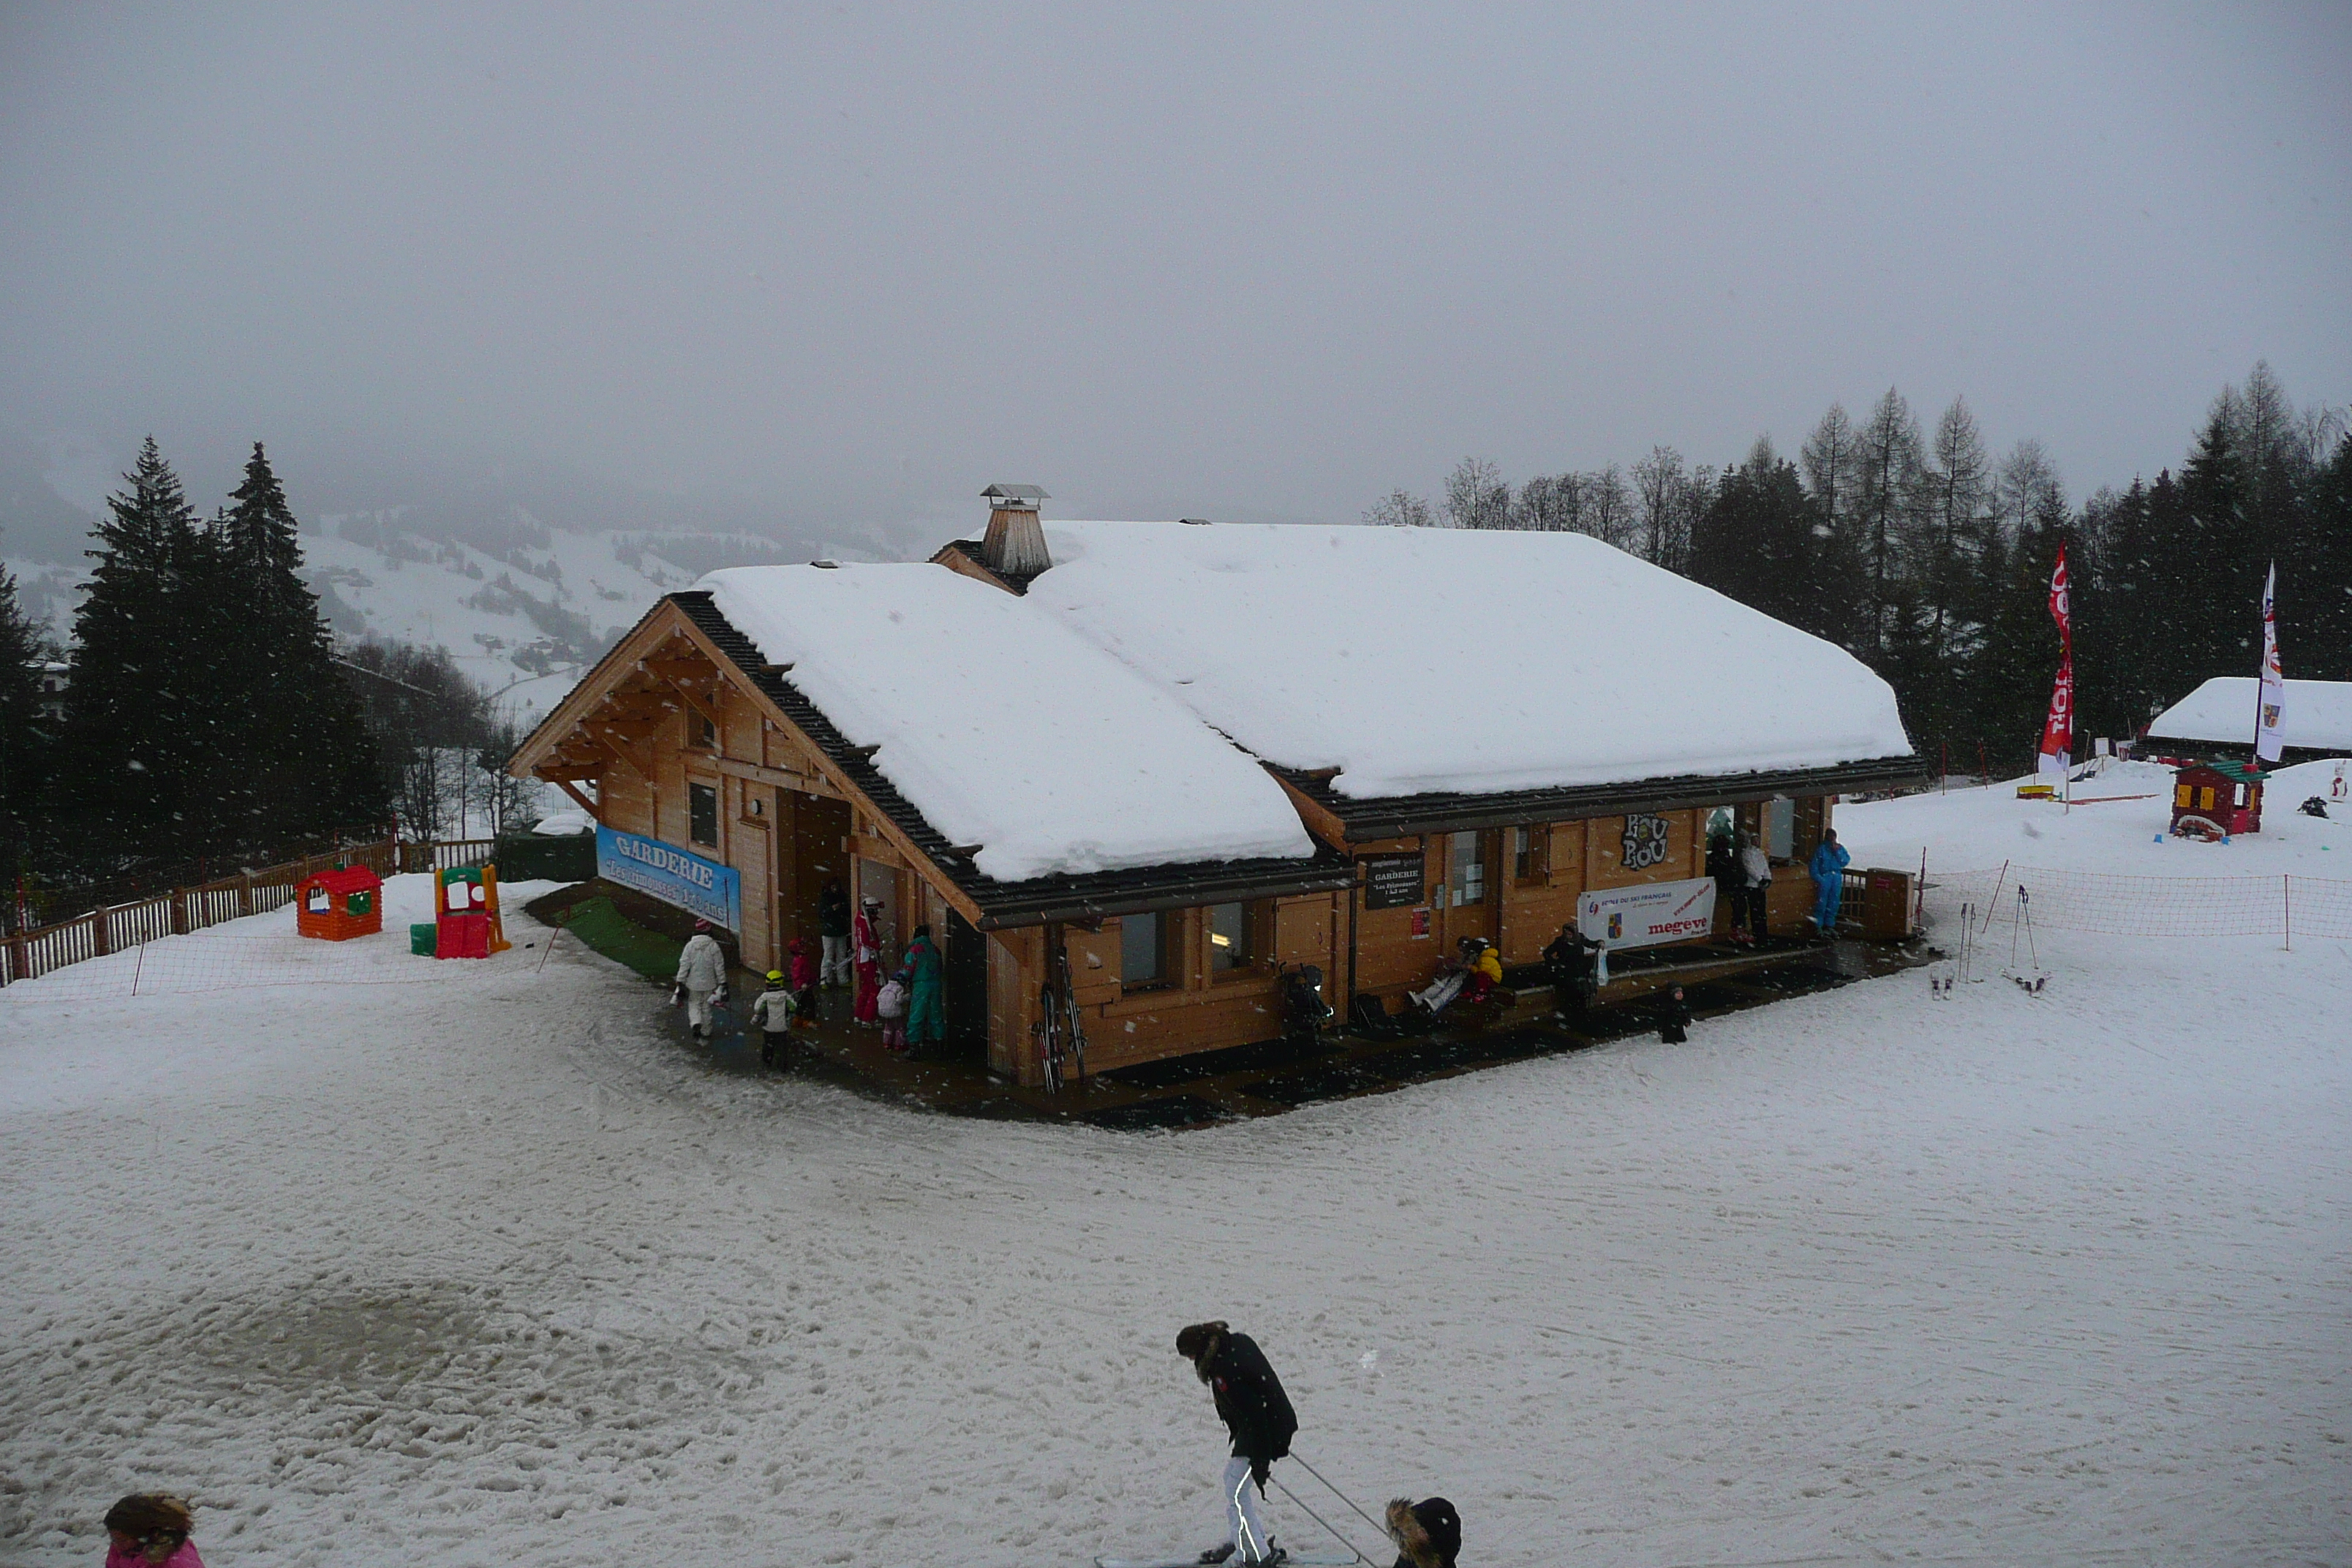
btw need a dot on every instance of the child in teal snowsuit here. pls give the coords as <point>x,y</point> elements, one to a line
<point>1828,866</point>
<point>927,1017</point>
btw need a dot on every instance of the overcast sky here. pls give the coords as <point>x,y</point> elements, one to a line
<point>1229,262</point>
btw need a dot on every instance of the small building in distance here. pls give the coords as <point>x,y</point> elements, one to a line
<point>2219,717</point>
<point>1180,755</point>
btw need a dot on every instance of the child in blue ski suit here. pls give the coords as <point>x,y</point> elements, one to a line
<point>1828,866</point>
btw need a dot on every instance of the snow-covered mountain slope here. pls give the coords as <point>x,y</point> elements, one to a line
<point>525,576</point>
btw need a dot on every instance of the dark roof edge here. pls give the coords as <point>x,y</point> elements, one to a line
<point>1402,817</point>
<point>1004,905</point>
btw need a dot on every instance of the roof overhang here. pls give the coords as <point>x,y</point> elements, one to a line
<point>1404,817</point>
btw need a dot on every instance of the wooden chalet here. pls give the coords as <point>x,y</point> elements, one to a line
<point>694,732</point>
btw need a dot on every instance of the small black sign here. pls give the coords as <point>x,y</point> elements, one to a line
<point>1391,881</point>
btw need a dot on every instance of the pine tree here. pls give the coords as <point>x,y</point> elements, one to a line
<point>24,744</point>
<point>1887,476</point>
<point>141,733</point>
<point>1757,543</point>
<point>310,765</point>
<point>2316,574</point>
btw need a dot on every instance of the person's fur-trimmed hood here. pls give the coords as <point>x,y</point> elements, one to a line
<point>1407,1531</point>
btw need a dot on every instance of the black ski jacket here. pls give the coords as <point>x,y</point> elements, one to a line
<point>833,913</point>
<point>1250,1401</point>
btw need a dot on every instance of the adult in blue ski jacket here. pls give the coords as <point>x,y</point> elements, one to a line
<point>1257,1415</point>
<point>1828,866</point>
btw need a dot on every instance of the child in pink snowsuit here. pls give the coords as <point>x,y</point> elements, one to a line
<point>805,976</point>
<point>149,1529</point>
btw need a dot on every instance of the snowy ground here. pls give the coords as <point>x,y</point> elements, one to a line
<point>475,1268</point>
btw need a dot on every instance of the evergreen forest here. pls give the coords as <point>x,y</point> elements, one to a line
<point>1930,559</point>
<point>208,717</point>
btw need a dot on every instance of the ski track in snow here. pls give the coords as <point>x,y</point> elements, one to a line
<point>486,1271</point>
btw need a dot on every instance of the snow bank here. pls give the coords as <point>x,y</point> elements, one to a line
<point>487,1270</point>
<point>1002,727</point>
<point>2221,712</point>
<point>2116,825</point>
<point>1420,659</point>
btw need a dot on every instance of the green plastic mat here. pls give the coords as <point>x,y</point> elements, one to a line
<point>603,928</point>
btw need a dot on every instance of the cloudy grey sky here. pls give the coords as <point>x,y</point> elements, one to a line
<point>1239,261</point>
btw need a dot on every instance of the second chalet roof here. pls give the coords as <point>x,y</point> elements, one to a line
<point>2318,716</point>
<point>1005,729</point>
<point>1406,662</point>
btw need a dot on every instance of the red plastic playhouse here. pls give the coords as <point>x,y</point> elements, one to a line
<point>2216,800</point>
<point>340,904</point>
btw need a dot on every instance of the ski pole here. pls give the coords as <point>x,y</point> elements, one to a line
<point>1343,1497</point>
<point>1318,1517</point>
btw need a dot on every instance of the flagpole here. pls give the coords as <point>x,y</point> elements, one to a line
<point>2262,673</point>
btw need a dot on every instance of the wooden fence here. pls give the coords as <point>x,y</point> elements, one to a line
<point>29,955</point>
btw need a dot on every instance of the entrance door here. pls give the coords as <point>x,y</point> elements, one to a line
<point>1469,876</point>
<point>964,991</point>
<point>813,855</point>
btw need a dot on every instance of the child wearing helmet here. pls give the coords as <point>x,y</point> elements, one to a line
<point>771,1014</point>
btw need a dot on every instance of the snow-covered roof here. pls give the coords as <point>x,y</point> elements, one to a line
<point>1003,727</point>
<point>2318,714</point>
<point>1416,660</point>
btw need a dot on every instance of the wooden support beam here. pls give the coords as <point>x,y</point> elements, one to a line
<point>782,778</point>
<point>622,747</point>
<point>566,785</point>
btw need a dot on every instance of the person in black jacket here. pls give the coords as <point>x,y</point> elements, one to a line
<point>1568,961</point>
<point>1674,1017</point>
<point>1257,1414</point>
<point>832,925</point>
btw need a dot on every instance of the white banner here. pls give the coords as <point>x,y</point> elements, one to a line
<point>1648,914</point>
<point>2269,738</point>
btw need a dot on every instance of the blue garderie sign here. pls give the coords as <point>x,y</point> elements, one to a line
<point>675,876</point>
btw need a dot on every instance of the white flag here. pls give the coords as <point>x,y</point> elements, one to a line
<point>2270,734</point>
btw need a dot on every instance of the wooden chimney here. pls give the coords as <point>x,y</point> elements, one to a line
<point>1015,545</point>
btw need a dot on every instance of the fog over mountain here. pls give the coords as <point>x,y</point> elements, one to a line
<point>816,277</point>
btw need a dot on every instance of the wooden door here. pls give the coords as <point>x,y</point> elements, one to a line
<point>812,854</point>
<point>1470,883</point>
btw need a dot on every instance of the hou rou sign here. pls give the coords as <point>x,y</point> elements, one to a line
<point>677,877</point>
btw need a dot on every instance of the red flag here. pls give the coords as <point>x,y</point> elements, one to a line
<point>2061,610</point>
<point>2058,730</point>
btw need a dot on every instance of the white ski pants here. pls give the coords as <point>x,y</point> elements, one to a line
<point>1248,1534</point>
<point>835,969</point>
<point>697,1009</point>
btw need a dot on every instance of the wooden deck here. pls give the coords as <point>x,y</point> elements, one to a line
<point>1269,1079</point>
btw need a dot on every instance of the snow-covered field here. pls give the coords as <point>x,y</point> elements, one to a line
<point>476,1267</point>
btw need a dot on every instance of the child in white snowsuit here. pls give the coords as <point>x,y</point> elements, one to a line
<point>701,975</point>
<point>772,1014</point>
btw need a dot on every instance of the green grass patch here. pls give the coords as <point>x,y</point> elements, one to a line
<point>606,929</point>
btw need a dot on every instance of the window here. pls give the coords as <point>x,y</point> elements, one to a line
<point>1531,854</point>
<point>1142,951</point>
<point>1232,937</point>
<point>702,730</point>
<point>1466,870</point>
<point>702,814</point>
<point>1780,828</point>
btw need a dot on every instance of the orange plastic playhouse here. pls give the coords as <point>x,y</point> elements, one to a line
<point>340,904</point>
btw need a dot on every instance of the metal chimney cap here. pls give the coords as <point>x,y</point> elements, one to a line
<point>1017,494</point>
